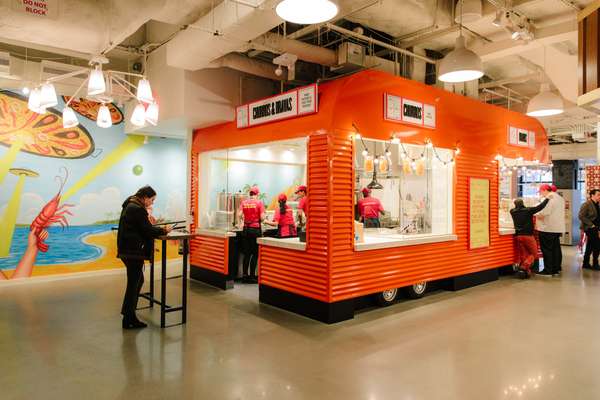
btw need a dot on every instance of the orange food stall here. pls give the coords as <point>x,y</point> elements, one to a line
<point>431,157</point>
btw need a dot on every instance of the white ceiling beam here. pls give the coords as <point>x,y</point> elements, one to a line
<point>543,37</point>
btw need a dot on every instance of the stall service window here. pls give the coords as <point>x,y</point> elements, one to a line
<point>519,178</point>
<point>413,184</point>
<point>226,176</point>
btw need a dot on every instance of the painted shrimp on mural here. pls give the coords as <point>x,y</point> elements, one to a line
<point>52,213</point>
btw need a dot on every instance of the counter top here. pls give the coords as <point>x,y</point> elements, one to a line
<point>506,231</point>
<point>288,243</point>
<point>373,242</point>
<point>215,233</point>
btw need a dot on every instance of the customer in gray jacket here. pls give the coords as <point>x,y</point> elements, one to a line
<point>589,217</point>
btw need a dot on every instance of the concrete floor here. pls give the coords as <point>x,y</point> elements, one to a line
<point>63,340</point>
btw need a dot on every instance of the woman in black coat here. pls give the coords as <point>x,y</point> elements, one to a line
<point>134,245</point>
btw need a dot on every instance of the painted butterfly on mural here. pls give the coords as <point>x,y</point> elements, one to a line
<point>42,134</point>
<point>89,109</point>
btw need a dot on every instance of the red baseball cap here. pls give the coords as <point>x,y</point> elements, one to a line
<point>254,190</point>
<point>554,188</point>
<point>366,191</point>
<point>282,197</point>
<point>545,187</point>
<point>301,188</point>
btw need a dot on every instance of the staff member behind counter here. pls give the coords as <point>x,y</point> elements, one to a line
<point>252,213</point>
<point>284,219</point>
<point>302,206</point>
<point>369,209</point>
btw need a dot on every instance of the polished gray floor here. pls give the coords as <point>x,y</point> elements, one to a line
<point>536,339</point>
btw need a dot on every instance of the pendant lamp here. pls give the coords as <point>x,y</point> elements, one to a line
<point>48,96</point>
<point>461,64</point>
<point>34,102</point>
<point>545,103</point>
<point>307,11</point>
<point>138,116</point>
<point>152,114</point>
<point>104,119</point>
<point>96,83</point>
<point>144,92</point>
<point>69,118</point>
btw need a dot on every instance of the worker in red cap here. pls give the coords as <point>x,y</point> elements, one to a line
<point>550,223</point>
<point>252,213</point>
<point>369,209</point>
<point>284,219</point>
<point>302,205</point>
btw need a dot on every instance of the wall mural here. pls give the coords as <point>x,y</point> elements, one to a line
<point>61,189</point>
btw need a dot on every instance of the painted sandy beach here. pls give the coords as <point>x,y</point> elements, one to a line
<point>106,241</point>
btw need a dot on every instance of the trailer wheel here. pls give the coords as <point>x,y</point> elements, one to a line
<point>387,297</point>
<point>415,291</point>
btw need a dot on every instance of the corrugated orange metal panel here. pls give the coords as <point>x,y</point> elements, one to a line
<point>359,273</point>
<point>210,253</point>
<point>305,272</point>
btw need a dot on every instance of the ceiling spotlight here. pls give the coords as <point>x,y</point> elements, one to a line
<point>307,11</point>
<point>278,70</point>
<point>498,19</point>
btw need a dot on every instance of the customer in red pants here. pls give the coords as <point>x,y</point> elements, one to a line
<point>523,220</point>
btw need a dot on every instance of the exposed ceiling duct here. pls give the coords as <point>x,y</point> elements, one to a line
<point>278,44</point>
<point>248,65</point>
<point>225,29</point>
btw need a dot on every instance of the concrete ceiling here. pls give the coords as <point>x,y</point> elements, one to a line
<point>88,27</point>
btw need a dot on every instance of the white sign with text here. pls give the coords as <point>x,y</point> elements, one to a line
<point>291,104</point>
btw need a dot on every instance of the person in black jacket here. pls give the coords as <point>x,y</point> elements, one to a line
<point>589,217</point>
<point>523,220</point>
<point>134,245</point>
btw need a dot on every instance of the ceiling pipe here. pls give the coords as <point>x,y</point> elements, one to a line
<point>306,52</point>
<point>516,79</point>
<point>379,43</point>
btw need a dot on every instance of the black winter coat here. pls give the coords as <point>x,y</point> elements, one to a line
<point>135,238</point>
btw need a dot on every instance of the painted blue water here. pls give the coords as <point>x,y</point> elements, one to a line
<point>66,246</point>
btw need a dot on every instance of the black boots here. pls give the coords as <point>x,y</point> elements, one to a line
<point>133,323</point>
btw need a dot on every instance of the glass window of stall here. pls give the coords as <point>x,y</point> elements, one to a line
<point>226,176</point>
<point>522,179</point>
<point>414,184</point>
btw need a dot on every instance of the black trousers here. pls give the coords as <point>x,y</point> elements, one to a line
<point>372,223</point>
<point>250,248</point>
<point>550,245</point>
<point>135,281</point>
<point>592,247</point>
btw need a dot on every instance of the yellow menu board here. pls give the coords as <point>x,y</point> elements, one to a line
<point>479,213</point>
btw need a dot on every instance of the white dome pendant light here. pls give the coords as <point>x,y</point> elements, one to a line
<point>307,11</point>
<point>461,64</point>
<point>545,103</point>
